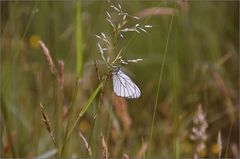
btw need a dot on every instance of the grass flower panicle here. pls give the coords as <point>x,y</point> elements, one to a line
<point>112,55</point>
<point>198,133</point>
<point>105,153</point>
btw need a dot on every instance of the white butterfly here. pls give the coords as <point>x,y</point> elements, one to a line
<point>123,86</point>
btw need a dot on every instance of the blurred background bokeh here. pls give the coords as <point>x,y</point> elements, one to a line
<point>201,68</point>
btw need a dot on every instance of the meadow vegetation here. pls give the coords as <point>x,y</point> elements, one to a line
<point>57,97</point>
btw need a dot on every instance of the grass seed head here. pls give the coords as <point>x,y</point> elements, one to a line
<point>105,153</point>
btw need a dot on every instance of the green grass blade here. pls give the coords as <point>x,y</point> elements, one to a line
<point>85,108</point>
<point>79,53</point>
<point>158,88</point>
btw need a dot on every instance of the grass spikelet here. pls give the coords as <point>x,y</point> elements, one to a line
<point>105,153</point>
<point>198,133</point>
<point>48,57</point>
<point>47,123</point>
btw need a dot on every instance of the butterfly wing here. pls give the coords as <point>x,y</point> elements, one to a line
<point>123,86</point>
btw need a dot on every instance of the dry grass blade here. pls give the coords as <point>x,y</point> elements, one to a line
<point>104,148</point>
<point>86,144</point>
<point>47,123</point>
<point>48,154</point>
<point>142,151</point>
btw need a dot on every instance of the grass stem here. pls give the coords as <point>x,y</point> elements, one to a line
<point>158,88</point>
<point>79,53</point>
<point>82,112</point>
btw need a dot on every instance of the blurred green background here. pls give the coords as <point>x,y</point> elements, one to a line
<point>202,66</point>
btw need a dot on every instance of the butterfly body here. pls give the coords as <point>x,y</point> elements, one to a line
<point>123,86</point>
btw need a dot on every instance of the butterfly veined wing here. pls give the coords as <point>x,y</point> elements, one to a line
<point>123,86</point>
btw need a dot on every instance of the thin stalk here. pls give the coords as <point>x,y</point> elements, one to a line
<point>228,141</point>
<point>34,11</point>
<point>56,109</point>
<point>176,146</point>
<point>175,110</point>
<point>109,123</point>
<point>158,88</point>
<point>95,117</point>
<point>85,108</point>
<point>90,137</point>
<point>79,53</point>
<point>5,114</point>
<point>75,92</point>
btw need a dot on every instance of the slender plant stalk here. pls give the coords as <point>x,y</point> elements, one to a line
<point>79,64</point>
<point>175,105</point>
<point>71,110</point>
<point>79,53</point>
<point>25,31</point>
<point>85,108</point>
<point>95,118</point>
<point>228,141</point>
<point>57,112</point>
<point>158,88</point>
<point>5,115</point>
<point>109,122</point>
<point>90,137</point>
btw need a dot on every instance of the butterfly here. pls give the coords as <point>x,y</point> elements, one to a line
<point>123,86</point>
